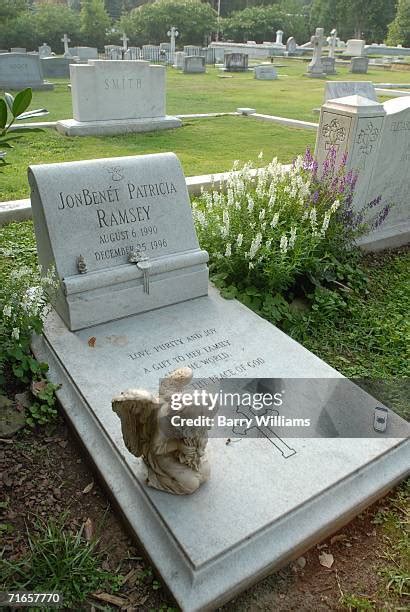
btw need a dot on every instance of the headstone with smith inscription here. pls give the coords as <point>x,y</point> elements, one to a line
<point>134,304</point>
<point>116,97</point>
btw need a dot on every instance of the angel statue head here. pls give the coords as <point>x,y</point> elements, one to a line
<point>172,442</point>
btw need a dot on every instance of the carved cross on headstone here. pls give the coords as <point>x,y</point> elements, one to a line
<point>66,40</point>
<point>124,41</point>
<point>332,43</point>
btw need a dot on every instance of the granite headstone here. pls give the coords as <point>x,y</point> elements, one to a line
<point>21,70</point>
<point>265,73</point>
<point>194,64</point>
<point>114,97</point>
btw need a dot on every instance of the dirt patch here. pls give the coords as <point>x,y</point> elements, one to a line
<point>45,474</point>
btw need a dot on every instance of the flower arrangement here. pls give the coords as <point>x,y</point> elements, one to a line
<point>268,227</point>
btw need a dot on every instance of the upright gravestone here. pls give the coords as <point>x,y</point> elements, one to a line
<point>355,47</point>
<point>331,468</point>
<point>265,73</point>
<point>359,65</point>
<point>125,40</point>
<point>351,125</point>
<point>315,66</point>
<point>341,89</point>
<point>192,50</point>
<point>170,47</point>
<point>84,53</point>
<point>332,41</point>
<point>291,45</point>
<point>236,62</point>
<point>391,177</point>
<point>194,64</point>
<point>57,67</point>
<point>328,65</point>
<point>44,51</point>
<point>21,70</point>
<point>279,38</point>
<point>179,60</point>
<point>115,97</point>
<point>65,40</point>
<point>376,139</point>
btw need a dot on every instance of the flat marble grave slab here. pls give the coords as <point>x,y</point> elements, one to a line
<point>259,509</point>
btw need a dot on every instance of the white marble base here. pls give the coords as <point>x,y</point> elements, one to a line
<point>260,508</point>
<point>71,127</point>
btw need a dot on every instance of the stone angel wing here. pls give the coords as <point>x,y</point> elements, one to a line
<point>139,413</point>
<point>175,458</point>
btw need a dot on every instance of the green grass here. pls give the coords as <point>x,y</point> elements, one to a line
<point>202,145</point>
<point>369,338</point>
<point>292,95</point>
<point>58,561</point>
<point>205,145</point>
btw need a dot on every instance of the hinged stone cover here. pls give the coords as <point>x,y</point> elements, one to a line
<point>90,216</point>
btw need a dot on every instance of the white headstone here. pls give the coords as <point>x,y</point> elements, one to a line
<point>110,208</point>
<point>84,53</point>
<point>359,65</point>
<point>315,67</point>
<point>65,40</point>
<point>21,70</point>
<point>194,64</point>
<point>125,40</point>
<point>172,33</point>
<point>328,65</point>
<point>352,126</point>
<point>179,60</point>
<point>44,50</point>
<point>279,37</point>
<point>291,45</point>
<point>265,73</point>
<point>332,43</point>
<point>341,89</point>
<point>391,175</point>
<point>112,97</point>
<point>355,46</point>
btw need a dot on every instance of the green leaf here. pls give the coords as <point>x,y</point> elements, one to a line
<point>3,141</point>
<point>3,114</point>
<point>22,101</point>
<point>9,100</point>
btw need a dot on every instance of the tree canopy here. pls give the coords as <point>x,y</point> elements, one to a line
<point>399,29</point>
<point>150,23</point>
<point>353,18</point>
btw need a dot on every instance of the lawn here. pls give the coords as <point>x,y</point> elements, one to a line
<point>204,145</point>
